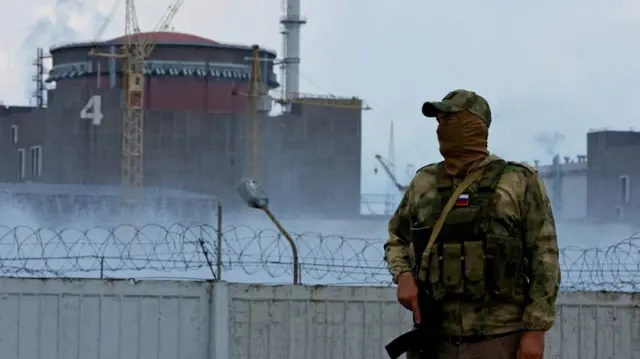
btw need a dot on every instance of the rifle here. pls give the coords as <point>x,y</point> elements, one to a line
<point>425,336</point>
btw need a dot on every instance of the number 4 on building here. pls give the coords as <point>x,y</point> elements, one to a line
<point>93,110</point>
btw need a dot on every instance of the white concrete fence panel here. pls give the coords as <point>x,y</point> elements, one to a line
<point>109,319</point>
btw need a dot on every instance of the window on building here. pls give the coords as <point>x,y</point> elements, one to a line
<point>36,161</point>
<point>625,189</point>
<point>22,164</point>
<point>14,134</point>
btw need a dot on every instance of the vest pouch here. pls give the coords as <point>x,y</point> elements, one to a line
<point>451,268</point>
<point>506,256</point>
<point>474,270</point>
<point>434,273</point>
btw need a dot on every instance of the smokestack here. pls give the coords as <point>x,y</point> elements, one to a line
<point>291,22</point>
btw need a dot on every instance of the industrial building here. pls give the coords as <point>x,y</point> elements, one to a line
<point>566,183</point>
<point>199,128</point>
<point>613,186</point>
<point>598,186</point>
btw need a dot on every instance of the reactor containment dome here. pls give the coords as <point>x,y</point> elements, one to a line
<point>184,72</point>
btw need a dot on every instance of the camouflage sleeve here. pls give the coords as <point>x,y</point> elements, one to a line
<point>396,249</point>
<point>542,250</point>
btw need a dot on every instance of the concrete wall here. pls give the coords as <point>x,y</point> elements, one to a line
<point>318,152</point>
<point>613,154</point>
<point>309,160</point>
<point>28,127</point>
<point>61,318</point>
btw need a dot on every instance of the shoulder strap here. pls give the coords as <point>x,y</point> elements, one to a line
<point>468,181</point>
<point>427,166</point>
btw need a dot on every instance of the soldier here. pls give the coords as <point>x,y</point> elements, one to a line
<point>493,269</point>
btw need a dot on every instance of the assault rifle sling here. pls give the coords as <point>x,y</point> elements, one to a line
<point>425,336</point>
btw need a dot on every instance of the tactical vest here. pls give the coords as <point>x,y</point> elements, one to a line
<point>470,260</point>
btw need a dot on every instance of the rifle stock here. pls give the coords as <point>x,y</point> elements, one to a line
<point>425,337</point>
<point>403,343</point>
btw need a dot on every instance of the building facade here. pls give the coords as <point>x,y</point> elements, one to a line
<point>602,186</point>
<point>613,189</point>
<point>198,129</point>
<point>566,183</point>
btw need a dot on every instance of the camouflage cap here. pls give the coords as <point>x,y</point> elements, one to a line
<point>460,100</point>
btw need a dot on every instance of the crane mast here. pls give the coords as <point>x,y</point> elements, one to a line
<point>390,173</point>
<point>133,118</point>
<point>137,49</point>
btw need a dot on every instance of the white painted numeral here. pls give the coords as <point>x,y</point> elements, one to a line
<point>93,110</point>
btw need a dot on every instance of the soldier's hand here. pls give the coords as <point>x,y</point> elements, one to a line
<point>408,294</point>
<point>531,346</point>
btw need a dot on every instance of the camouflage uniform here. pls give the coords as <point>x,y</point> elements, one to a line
<point>479,300</point>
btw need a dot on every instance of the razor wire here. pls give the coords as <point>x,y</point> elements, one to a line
<point>247,254</point>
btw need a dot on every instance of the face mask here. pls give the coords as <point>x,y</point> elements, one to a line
<point>463,141</point>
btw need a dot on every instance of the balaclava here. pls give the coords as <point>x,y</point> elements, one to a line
<point>464,118</point>
<point>463,141</point>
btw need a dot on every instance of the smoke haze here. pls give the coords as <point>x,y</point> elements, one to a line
<point>64,21</point>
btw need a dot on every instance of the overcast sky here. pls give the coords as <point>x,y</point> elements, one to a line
<point>546,67</point>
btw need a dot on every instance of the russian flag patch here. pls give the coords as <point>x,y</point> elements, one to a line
<point>462,201</point>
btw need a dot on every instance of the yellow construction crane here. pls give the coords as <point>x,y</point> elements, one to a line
<point>134,53</point>
<point>258,92</point>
